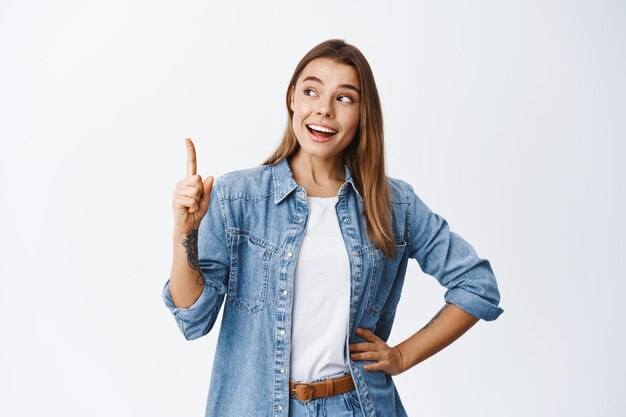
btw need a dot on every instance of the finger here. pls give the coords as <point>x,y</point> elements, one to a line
<point>193,181</point>
<point>185,202</point>
<point>208,185</point>
<point>191,157</point>
<point>372,367</point>
<point>361,347</point>
<point>194,196</point>
<point>366,356</point>
<point>367,334</point>
<point>190,185</point>
<point>186,191</point>
<point>206,192</point>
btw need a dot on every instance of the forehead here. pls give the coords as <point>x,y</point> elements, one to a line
<point>331,72</point>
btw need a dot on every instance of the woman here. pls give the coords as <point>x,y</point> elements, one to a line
<point>310,250</point>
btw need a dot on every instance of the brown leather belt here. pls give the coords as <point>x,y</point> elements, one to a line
<point>307,391</point>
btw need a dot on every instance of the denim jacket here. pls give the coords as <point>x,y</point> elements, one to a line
<point>248,244</point>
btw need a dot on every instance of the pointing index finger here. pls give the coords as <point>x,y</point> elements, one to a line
<point>191,158</point>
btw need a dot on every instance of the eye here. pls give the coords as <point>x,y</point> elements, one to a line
<point>305,91</point>
<point>349,98</point>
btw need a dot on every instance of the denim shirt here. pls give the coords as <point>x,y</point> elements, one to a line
<point>248,245</point>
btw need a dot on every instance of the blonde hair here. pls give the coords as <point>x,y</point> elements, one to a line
<point>365,155</point>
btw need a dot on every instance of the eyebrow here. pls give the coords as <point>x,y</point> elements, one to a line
<point>348,86</point>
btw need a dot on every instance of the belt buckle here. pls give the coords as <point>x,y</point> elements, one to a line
<point>310,386</point>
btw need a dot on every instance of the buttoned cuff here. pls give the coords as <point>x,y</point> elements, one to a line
<point>193,321</point>
<point>473,304</point>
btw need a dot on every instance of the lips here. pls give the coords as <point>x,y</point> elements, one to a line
<point>321,137</point>
<point>321,128</point>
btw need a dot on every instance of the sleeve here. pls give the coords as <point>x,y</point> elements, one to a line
<point>443,254</point>
<point>214,262</point>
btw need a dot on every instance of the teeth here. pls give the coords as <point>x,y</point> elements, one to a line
<point>321,129</point>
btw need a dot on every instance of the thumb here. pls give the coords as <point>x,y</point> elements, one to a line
<point>207,186</point>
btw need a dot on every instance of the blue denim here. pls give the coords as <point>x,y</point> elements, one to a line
<point>339,405</point>
<point>248,244</point>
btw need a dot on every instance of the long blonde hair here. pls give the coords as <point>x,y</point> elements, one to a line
<point>365,155</point>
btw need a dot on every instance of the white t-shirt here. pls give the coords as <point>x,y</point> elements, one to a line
<point>321,298</point>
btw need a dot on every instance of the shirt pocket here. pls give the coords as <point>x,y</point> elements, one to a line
<point>247,286</point>
<point>382,275</point>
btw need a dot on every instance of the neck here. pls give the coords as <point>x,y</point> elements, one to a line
<point>319,176</point>
<point>316,170</point>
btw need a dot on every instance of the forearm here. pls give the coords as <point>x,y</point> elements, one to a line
<point>186,279</point>
<point>444,328</point>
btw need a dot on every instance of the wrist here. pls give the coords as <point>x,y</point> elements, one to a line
<point>180,235</point>
<point>183,231</point>
<point>404,362</point>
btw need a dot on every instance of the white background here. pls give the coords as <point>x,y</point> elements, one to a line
<point>506,116</point>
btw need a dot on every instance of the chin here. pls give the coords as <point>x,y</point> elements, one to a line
<point>323,150</point>
<point>319,153</point>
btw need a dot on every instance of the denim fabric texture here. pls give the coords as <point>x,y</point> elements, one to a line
<point>248,245</point>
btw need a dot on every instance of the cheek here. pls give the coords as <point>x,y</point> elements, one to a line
<point>299,111</point>
<point>353,121</point>
<point>297,118</point>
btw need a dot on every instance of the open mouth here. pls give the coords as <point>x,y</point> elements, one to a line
<point>321,132</point>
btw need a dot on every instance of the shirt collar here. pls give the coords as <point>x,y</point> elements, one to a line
<point>285,184</point>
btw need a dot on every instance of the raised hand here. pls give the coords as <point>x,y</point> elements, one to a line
<point>191,196</point>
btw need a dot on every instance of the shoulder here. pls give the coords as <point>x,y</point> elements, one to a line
<point>248,183</point>
<point>400,190</point>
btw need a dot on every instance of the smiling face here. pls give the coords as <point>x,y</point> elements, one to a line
<point>325,104</point>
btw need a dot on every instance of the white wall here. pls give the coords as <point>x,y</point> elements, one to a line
<point>506,116</point>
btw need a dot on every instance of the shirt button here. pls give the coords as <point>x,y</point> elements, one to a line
<point>284,292</point>
<point>282,332</point>
<point>354,252</point>
<point>280,407</point>
<point>345,219</point>
<point>299,219</point>
<point>290,254</point>
<point>282,370</point>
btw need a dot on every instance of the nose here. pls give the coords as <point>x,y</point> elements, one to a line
<point>324,108</point>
